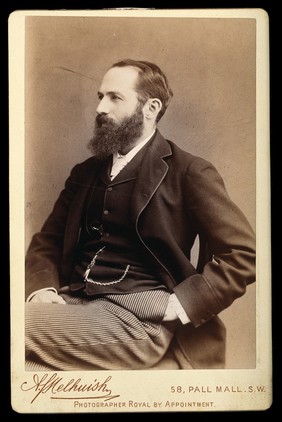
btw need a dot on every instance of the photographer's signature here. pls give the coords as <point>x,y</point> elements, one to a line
<point>59,388</point>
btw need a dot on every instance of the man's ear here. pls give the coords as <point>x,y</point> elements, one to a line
<point>152,108</point>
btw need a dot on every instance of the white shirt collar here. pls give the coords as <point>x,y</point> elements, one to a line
<point>133,151</point>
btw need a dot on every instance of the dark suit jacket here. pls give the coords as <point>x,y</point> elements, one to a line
<point>177,196</point>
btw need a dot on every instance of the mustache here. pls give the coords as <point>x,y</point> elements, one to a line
<point>102,120</point>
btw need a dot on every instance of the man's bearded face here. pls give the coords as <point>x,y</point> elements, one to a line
<point>110,136</point>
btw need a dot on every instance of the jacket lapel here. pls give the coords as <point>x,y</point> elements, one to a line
<point>150,176</point>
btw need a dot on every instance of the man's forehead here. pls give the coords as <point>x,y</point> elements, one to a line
<point>120,78</point>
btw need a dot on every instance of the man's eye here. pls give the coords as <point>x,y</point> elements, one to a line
<point>115,97</point>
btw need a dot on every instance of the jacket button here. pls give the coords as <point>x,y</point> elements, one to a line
<point>106,212</point>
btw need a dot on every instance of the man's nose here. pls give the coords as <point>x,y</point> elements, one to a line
<point>103,107</point>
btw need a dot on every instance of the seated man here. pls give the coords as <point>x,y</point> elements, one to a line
<point>109,282</point>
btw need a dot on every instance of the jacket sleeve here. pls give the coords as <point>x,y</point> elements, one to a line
<point>230,240</point>
<point>43,257</point>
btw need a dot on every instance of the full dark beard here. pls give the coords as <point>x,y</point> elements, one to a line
<point>111,137</point>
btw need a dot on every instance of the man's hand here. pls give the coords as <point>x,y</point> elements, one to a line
<point>47,296</point>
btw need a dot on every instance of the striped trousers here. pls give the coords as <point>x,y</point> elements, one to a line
<point>115,332</point>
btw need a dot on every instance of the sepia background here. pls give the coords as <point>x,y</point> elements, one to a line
<point>210,64</point>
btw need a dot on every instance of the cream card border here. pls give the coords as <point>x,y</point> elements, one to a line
<point>140,391</point>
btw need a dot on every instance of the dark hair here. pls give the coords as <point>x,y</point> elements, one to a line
<point>152,83</point>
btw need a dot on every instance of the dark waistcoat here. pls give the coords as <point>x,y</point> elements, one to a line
<point>111,257</point>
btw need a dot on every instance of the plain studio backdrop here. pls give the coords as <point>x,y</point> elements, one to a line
<point>211,66</point>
